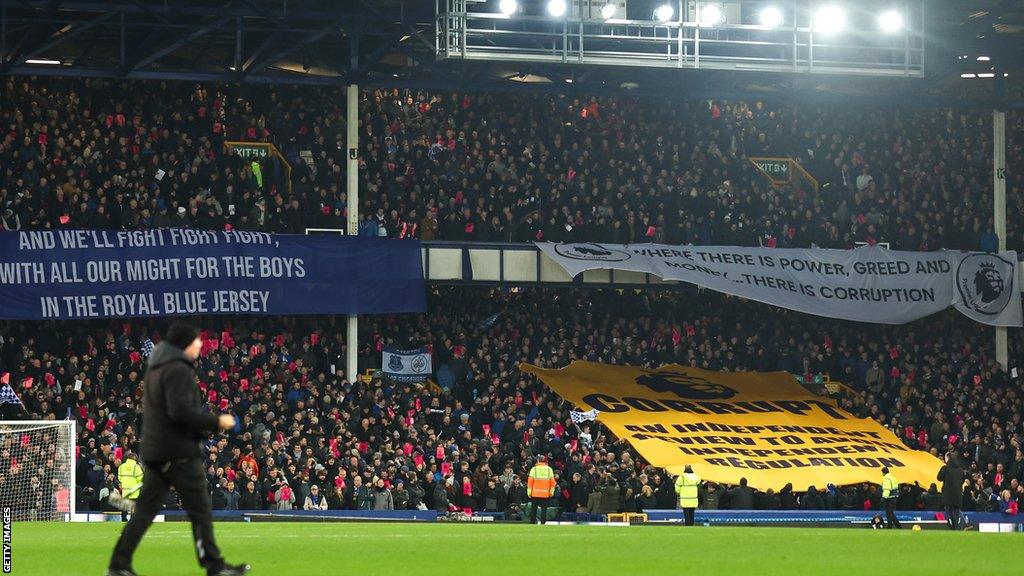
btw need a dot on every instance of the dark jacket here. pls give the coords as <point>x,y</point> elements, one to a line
<point>811,500</point>
<point>952,478</point>
<point>401,498</point>
<point>515,496</point>
<point>174,421</point>
<point>787,500</point>
<point>609,490</point>
<point>416,495</point>
<point>579,492</point>
<point>741,498</point>
<point>440,497</point>
<point>250,500</point>
<point>666,496</point>
<point>645,503</point>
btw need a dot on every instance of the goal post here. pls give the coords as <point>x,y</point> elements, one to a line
<point>37,469</point>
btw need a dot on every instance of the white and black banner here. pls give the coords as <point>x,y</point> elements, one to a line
<point>869,284</point>
<point>407,365</point>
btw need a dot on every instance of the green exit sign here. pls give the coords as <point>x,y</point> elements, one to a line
<point>778,170</point>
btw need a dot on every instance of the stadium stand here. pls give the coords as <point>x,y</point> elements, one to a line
<point>120,154</point>
<point>134,155</point>
<point>468,441</point>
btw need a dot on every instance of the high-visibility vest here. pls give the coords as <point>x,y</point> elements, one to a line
<point>890,487</point>
<point>541,483</point>
<point>129,474</point>
<point>257,173</point>
<point>686,486</point>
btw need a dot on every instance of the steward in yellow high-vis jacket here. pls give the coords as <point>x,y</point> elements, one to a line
<point>687,484</point>
<point>130,476</point>
<point>541,487</point>
<point>890,492</point>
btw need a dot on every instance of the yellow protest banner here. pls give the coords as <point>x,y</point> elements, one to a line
<point>762,426</point>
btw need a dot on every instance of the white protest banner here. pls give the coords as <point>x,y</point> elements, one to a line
<point>868,284</point>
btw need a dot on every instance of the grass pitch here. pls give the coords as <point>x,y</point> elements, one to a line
<point>314,549</point>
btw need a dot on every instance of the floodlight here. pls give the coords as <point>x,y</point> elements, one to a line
<point>608,10</point>
<point>664,13</point>
<point>508,7</point>
<point>890,21</point>
<point>710,15</point>
<point>557,8</point>
<point>829,20</point>
<point>771,17</point>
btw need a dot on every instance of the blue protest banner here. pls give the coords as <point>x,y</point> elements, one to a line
<point>70,274</point>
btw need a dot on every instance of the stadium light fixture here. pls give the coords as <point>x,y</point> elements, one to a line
<point>771,17</point>
<point>710,15</point>
<point>608,10</point>
<point>968,75</point>
<point>890,21</point>
<point>43,61</point>
<point>986,75</point>
<point>557,8</point>
<point>664,13</point>
<point>508,7</point>
<point>983,58</point>
<point>829,20</point>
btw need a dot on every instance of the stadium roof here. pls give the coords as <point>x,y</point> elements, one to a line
<point>391,43</point>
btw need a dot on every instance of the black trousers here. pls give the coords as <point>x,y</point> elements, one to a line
<point>541,503</point>
<point>890,514</point>
<point>953,517</point>
<point>189,479</point>
<point>688,515</point>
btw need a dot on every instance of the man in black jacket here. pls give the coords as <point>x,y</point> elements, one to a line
<point>172,428</point>
<point>741,497</point>
<point>952,478</point>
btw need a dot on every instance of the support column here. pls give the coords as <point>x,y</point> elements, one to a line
<point>352,207</point>
<point>999,192</point>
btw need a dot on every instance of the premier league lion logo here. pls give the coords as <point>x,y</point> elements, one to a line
<point>988,283</point>
<point>985,282</point>
<point>684,386</point>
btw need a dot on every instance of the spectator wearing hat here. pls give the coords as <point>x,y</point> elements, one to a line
<point>284,496</point>
<point>315,500</point>
<point>400,496</point>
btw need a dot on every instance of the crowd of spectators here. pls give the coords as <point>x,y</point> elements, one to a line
<point>131,155</point>
<point>468,441</point>
<point>498,167</point>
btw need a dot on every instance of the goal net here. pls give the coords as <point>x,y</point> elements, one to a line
<point>37,469</point>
